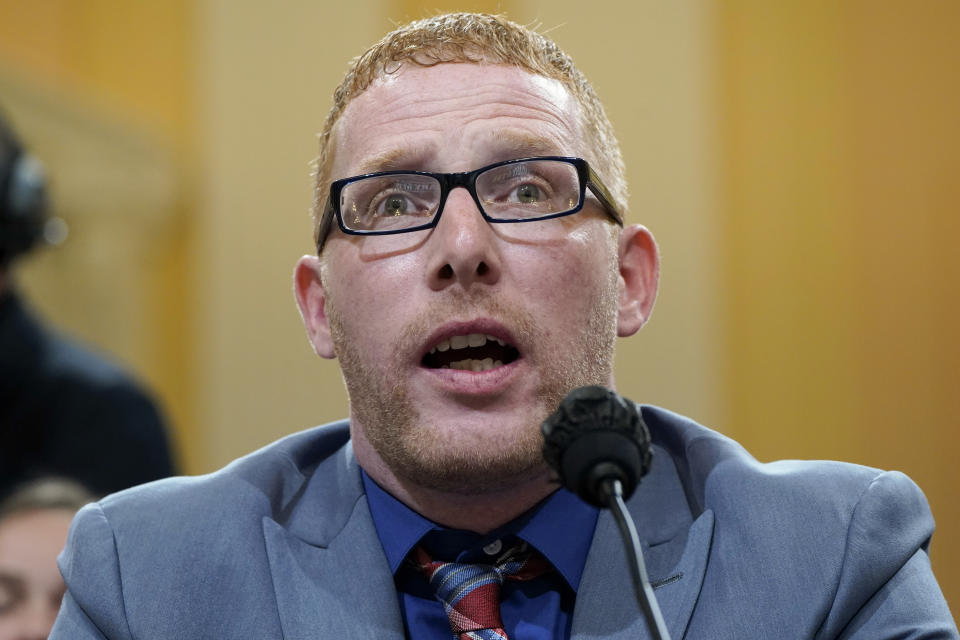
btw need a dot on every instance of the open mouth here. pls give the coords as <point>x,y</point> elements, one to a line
<point>470,352</point>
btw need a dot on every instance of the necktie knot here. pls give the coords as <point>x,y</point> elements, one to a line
<point>470,593</point>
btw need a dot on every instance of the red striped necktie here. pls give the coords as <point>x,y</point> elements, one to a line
<point>470,593</point>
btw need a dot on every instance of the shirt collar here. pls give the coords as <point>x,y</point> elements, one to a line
<point>560,527</point>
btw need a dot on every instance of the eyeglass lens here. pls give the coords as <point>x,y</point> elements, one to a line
<point>520,190</point>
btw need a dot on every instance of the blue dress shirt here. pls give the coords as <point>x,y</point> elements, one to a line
<point>560,527</point>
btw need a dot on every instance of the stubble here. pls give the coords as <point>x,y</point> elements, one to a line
<point>409,444</point>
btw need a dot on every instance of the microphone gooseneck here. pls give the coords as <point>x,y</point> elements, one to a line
<point>599,447</point>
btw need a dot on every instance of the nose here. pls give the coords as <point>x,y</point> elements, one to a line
<point>463,248</point>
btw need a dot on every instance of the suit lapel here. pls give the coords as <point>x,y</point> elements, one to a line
<point>675,550</point>
<point>330,576</point>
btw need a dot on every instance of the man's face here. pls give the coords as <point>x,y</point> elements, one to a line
<point>30,584</point>
<point>537,302</point>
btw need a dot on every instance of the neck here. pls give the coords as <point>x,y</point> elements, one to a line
<point>477,512</point>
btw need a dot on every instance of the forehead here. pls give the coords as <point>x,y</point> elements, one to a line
<point>31,540</point>
<point>454,117</point>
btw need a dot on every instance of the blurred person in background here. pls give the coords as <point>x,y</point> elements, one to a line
<point>34,521</point>
<point>64,410</point>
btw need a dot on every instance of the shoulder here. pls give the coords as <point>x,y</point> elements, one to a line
<point>137,554</point>
<point>168,515</point>
<point>43,364</point>
<point>829,535</point>
<point>46,355</point>
<point>67,362</point>
<point>721,475</point>
<point>69,411</point>
<point>260,483</point>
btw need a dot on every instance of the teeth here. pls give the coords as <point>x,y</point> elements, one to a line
<point>474,365</point>
<point>462,342</point>
<point>476,340</point>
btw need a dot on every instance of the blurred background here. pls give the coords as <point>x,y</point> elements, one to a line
<point>798,162</point>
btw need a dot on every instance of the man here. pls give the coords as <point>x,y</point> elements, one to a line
<point>64,410</point>
<point>472,269</point>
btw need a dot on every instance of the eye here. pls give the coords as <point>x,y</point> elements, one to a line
<point>399,197</point>
<point>528,194</point>
<point>13,593</point>
<point>393,205</point>
<point>524,184</point>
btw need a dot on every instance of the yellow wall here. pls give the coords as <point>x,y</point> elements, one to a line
<point>839,160</point>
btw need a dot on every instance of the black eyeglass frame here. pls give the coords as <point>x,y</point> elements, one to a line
<point>468,180</point>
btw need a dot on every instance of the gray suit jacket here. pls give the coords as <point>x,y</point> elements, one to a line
<point>280,544</point>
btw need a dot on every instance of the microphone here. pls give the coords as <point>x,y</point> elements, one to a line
<point>593,436</point>
<point>599,447</point>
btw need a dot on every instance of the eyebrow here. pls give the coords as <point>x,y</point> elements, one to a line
<point>522,143</point>
<point>391,159</point>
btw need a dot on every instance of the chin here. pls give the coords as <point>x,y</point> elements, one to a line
<point>473,474</point>
<point>472,457</point>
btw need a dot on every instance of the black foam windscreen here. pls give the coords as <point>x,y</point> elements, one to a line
<point>596,435</point>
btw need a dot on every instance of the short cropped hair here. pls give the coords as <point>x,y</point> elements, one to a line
<point>46,493</point>
<point>474,38</point>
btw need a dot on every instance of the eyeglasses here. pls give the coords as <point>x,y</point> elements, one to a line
<point>522,190</point>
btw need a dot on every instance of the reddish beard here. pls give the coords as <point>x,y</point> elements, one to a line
<point>407,442</point>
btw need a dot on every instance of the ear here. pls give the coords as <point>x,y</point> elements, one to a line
<point>311,299</point>
<point>639,278</point>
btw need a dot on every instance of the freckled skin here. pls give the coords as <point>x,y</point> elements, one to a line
<point>554,286</point>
